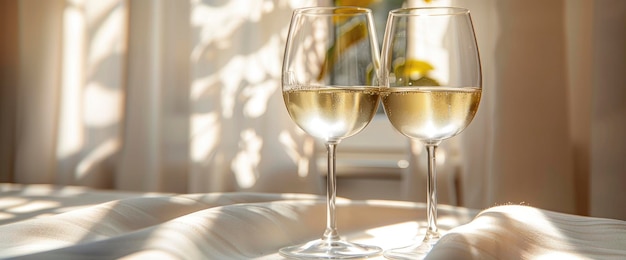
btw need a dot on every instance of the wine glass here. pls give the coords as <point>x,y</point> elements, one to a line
<point>431,87</point>
<point>330,88</point>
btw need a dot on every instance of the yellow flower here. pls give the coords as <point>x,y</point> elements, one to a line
<point>413,73</point>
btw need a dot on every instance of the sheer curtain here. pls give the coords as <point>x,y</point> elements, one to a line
<point>154,96</point>
<point>183,96</point>
<point>518,148</point>
<point>542,133</point>
<point>550,130</point>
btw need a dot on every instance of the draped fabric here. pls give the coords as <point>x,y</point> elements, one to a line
<point>48,222</point>
<point>518,148</point>
<point>543,136</point>
<point>156,96</point>
<point>184,96</point>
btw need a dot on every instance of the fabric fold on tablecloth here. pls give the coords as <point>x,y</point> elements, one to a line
<point>256,225</point>
<point>200,226</point>
<point>524,232</point>
<point>114,221</point>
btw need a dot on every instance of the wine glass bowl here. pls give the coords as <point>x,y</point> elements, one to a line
<point>331,113</point>
<point>431,114</point>
<point>330,89</point>
<point>431,86</point>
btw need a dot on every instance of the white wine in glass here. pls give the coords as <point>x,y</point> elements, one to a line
<point>431,86</point>
<point>332,113</point>
<point>331,90</point>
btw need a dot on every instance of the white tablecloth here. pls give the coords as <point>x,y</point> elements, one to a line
<point>256,225</point>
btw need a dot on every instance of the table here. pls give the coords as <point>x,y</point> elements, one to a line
<point>79,223</point>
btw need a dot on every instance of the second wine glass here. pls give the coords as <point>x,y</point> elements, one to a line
<point>431,88</point>
<point>330,89</point>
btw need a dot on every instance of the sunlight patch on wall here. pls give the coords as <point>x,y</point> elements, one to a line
<point>107,40</point>
<point>229,16</point>
<point>262,72</point>
<point>205,132</point>
<point>245,163</point>
<point>268,56</point>
<point>71,134</point>
<point>302,156</point>
<point>257,98</point>
<point>102,105</point>
<point>91,101</point>
<point>289,144</point>
<point>231,77</point>
<point>201,85</point>
<point>236,56</point>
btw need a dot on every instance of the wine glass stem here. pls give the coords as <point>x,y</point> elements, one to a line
<point>331,195</point>
<point>431,201</point>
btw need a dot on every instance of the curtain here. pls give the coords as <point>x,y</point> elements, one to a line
<point>184,96</point>
<point>550,130</point>
<point>145,95</point>
<point>518,148</point>
<point>539,137</point>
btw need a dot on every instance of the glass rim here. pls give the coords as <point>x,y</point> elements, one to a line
<point>429,11</point>
<point>332,10</point>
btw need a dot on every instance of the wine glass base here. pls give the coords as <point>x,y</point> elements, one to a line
<point>330,249</point>
<point>412,252</point>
